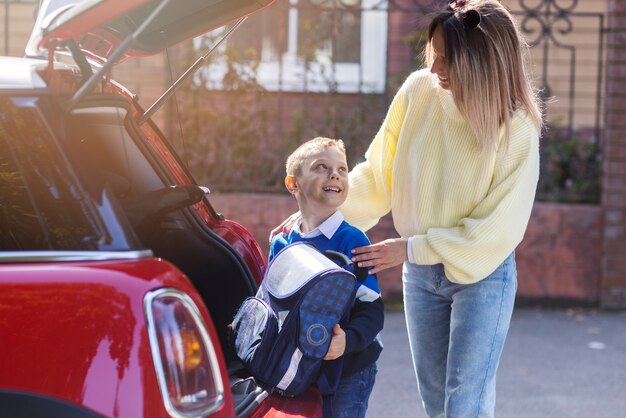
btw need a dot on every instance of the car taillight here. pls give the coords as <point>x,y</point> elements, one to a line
<point>184,357</point>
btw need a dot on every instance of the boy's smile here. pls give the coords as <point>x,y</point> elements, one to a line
<point>322,186</point>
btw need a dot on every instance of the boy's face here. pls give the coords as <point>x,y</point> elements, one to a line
<point>323,184</point>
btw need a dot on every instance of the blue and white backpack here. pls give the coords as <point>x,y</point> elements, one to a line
<point>283,333</point>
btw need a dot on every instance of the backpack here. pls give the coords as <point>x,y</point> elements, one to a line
<point>283,333</point>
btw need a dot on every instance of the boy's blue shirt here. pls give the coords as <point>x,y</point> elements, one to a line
<point>363,345</point>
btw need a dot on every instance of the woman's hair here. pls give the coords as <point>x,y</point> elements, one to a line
<point>313,146</point>
<point>485,55</point>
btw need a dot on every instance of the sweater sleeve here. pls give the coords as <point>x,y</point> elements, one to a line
<point>475,247</point>
<point>366,321</point>
<point>367,313</point>
<point>370,181</point>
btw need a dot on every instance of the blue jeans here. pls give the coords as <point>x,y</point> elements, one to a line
<point>350,400</point>
<point>456,335</point>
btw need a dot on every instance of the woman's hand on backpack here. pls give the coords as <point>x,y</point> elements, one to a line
<point>285,226</point>
<point>337,344</point>
<point>382,255</point>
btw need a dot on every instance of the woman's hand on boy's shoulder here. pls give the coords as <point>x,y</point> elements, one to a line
<point>285,226</point>
<point>381,255</point>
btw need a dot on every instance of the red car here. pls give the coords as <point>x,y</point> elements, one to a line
<point>117,277</point>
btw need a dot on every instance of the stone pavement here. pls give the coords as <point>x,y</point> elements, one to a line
<point>557,363</point>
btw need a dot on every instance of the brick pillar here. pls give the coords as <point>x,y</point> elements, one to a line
<point>613,292</point>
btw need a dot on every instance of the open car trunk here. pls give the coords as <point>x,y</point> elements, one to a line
<point>121,156</point>
<point>115,157</point>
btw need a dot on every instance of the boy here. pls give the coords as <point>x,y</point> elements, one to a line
<point>317,176</point>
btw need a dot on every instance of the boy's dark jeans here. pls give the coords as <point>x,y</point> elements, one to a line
<point>352,395</point>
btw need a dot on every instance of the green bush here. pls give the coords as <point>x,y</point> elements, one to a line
<point>570,167</point>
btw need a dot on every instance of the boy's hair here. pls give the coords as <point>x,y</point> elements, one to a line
<point>489,79</point>
<point>297,158</point>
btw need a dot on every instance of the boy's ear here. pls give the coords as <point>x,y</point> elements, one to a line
<point>290,184</point>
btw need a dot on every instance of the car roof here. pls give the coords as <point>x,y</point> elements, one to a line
<point>21,74</point>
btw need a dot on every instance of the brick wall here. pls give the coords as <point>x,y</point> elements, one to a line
<point>561,253</point>
<point>614,176</point>
<point>16,23</point>
<point>559,257</point>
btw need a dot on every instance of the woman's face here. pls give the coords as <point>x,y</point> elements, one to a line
<point>439,66</point>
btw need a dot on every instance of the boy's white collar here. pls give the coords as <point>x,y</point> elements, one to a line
<point>326,228</point>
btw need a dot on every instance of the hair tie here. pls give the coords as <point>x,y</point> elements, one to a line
<point>455,5</point>
<point>471,19</point>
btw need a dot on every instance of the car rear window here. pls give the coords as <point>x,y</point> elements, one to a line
<point>41,205</point>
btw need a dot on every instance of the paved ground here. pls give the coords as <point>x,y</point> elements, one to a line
<point>568,363</point>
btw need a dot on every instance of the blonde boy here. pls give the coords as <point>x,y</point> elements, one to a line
<point>317,176</point>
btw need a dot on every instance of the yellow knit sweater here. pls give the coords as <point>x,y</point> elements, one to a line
<point>458,205</point>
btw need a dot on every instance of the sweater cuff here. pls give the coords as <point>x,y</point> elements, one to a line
<point>409,251</point>
<point>350,337</point>
<point>421,252</point>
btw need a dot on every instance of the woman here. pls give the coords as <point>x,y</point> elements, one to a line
<point>456,161</point>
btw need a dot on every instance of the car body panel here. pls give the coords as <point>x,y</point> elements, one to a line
<point>78,329</point>
<point>72,321</point>
<point>22,75</point>
<point>306,405</point>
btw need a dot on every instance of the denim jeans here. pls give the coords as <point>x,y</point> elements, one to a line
<point>456,336</point>
<point>353,393</point>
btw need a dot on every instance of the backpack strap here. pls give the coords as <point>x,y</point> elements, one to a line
<point>327,383</point>
<point>360,273</point>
